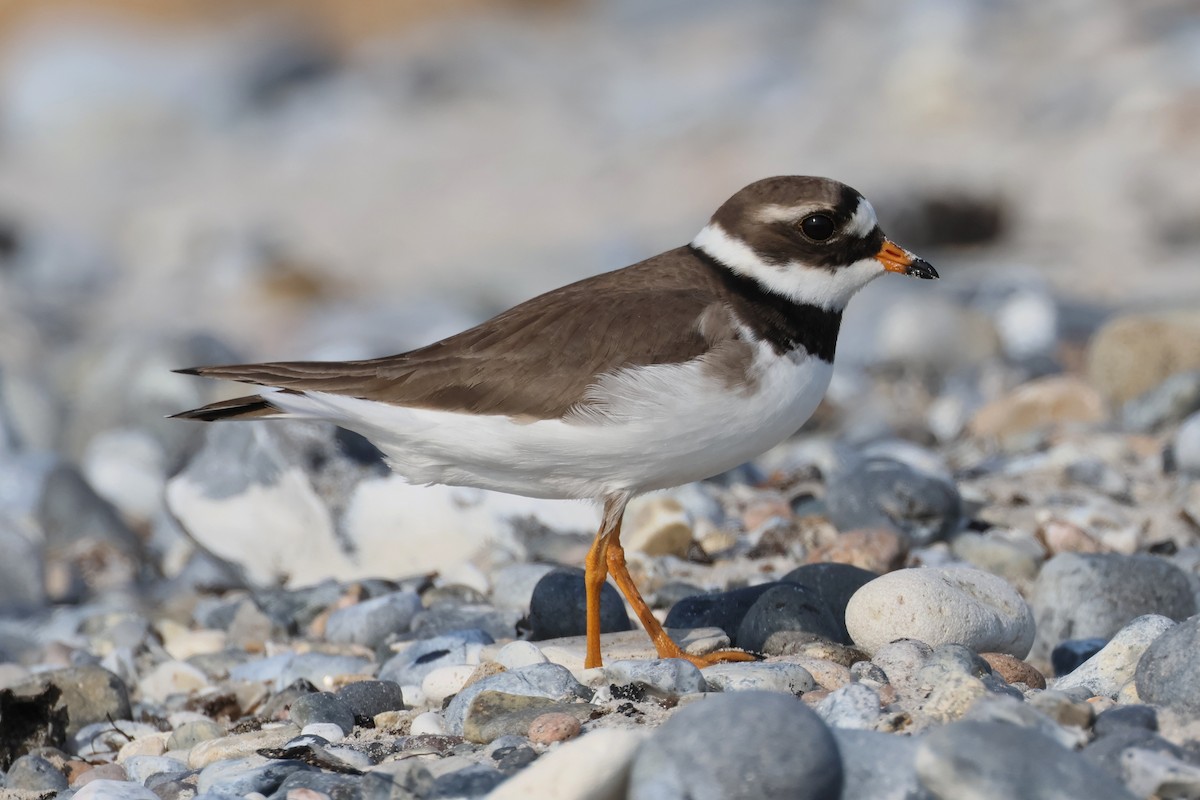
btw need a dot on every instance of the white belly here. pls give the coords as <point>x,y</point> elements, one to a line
<point>661,426</point>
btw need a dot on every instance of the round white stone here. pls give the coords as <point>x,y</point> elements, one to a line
<point>520,654</point>
<point>445,681</point>
<point>328,731</point>
<point>944,605</point>
<point>430,722</point>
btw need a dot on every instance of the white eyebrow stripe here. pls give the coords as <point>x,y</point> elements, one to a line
<point>773,212</point>
<point>863,221</point>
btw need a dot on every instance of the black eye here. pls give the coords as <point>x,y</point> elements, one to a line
<point>817,227</point>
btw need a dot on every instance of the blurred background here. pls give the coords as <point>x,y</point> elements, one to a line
<point>189,181</point>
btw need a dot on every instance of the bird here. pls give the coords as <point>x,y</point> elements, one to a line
<point>671,370</point>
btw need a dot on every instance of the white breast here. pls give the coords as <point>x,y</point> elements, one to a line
<point>661,426</point>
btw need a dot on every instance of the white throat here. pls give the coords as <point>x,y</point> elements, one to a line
<point>828,289</point>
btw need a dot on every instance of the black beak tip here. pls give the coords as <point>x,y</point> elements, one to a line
<point>920,268</point>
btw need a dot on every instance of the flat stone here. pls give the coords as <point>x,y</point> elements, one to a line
<point>114,790</point>
<point>1115,665</point>
<point>241,776</point>
<point>571,651</point>
<point>941,605</point>
<point>140,768</point>
<point>594,766</point>
<point>1079,596</point>
<point>240,745</point>
<point>549,681</point>
<point>494,714</point>
<point>370,622</point>
<point>996,759</point>
<point>692,755</point>
<point>519,654</point>
<point>170,678</point>
<point>189,734</point>
<point>769,676</point>
<point>414,662</point>
<point>854,705</point>
<point>663,677</point>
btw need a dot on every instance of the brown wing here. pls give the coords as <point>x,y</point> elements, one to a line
<point>533,360</point>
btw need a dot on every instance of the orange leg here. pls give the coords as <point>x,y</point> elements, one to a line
<point>608,549</point>
<point>594,573</point>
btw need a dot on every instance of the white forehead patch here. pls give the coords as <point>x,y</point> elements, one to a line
<point>863,221</point>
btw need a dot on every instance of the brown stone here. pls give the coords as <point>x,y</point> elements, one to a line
<point>1039,404</point>
<point>875,549</point>
<point>554,727</point>
<point>1014,670</point>
<point>1134,353</point>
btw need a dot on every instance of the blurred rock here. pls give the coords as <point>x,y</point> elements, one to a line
<point>1134,353</point>
<point>947,218</point>
<point>1039,404</point>
<point>22,569</point>
<point>1096,595</point>
<point>657,526</point>
<point>882,491</point>
<point>1169,402</point>
<point>1168,673</point>
<point>1185,447</point>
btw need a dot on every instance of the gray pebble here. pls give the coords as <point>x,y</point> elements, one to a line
<point>410,666</point>
<point>882,491</point>
<point>662,677</point>
<point>141,768</point>
<point>1115,664</point>
<point>854,705</point>
<point>368,698</point>
<point>35,774</point>
<point>538,680</point>
<point>1169,402</point>
<point>1078,596</point>
<point>1186,446</point>
<point>322,707</point>
<point>879,766</point>
<point>739,747</point>
<point>370,622</point>
<point>192,733</point>
<point>499,623</point>
<point>1168,673</point>
<point>22,570</point>
<point>241,776</point>
<point>788,607</point>
<point>995,759</point>
<point>473,781</point>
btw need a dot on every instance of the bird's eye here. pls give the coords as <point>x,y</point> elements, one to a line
<point>817,227</point>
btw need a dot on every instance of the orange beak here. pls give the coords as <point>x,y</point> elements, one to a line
<point>896,259</point>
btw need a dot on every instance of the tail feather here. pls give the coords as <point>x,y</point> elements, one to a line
<point>251,407</point>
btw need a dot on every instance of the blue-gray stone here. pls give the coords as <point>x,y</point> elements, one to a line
<point>1168,674</point>
<point>536,680</point>
<point>876,491</point>
<point>741,746</point>
<point>410,666</point>
<point>724,610</point>
<point>370,622</point>
<point>34,773</point>
<point>1067,656</point>
<point>879,766</point>
<point>995,759</point>
<point>790,607</point>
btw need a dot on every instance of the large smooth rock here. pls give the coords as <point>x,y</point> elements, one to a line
<point>879,766</point>
<point>941,605</point>
<point>1077,596</point>
<point>89,694</point>
<point>787,608</point>
<point>1168,673</point>
<point>693,754</point>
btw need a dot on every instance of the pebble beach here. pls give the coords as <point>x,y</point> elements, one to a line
<point>974,573</point>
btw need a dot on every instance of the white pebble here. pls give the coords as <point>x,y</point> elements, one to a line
<point>941,605</point>
<point>430,722</point>
<point>593,767</point>
<point>520,654</point>
<point>445,681</point>
<point>328,731</point>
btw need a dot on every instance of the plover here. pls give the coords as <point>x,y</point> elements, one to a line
<point>671,370</point>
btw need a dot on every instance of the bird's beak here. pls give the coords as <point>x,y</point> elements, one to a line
<point>896,259</point>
